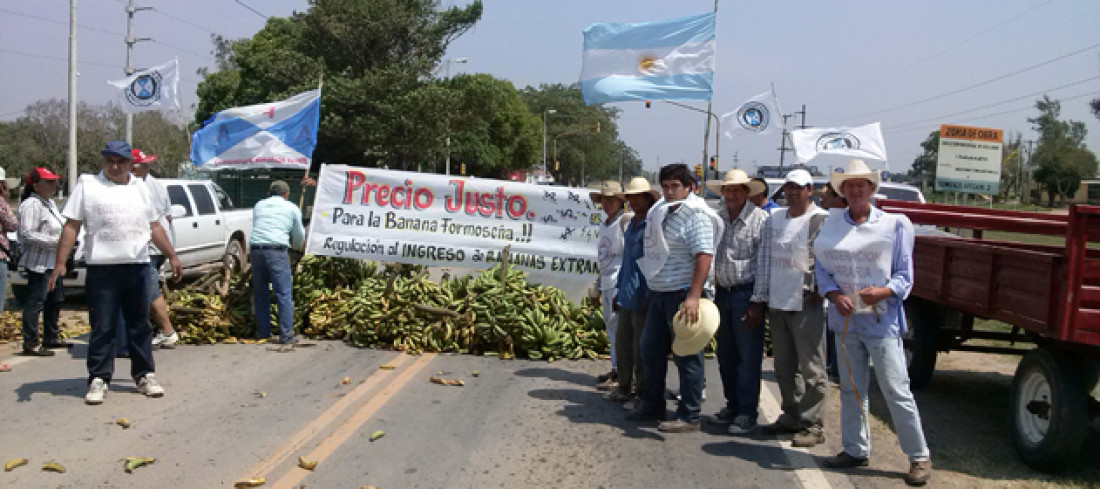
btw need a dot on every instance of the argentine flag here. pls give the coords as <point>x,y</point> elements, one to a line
<point>279,134</point>
<point>664,60</point>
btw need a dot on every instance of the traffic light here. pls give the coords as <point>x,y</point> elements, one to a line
<point>647,103</point>
<point>713,163</point>
<point>462,169</point>
<point>699,170</point>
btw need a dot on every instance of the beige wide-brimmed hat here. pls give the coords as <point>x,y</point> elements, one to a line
<point>855,169</point>
<point>736,177</point>
<point>609,188</point>
<point>638,185</point>
<point>691,338</point>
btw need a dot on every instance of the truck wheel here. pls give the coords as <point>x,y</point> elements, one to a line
<point>920,343</point>
<point>20,293</point>
<point>235,256</point>
<point>1049,409</point>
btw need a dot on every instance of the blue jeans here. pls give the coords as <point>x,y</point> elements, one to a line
<point>893,381</point>
<point>656,344</point>
<point>740,352</point>
<point>271,271</point>
<point>109,290</point>
<point>121,347</point>
<point>37,301</point>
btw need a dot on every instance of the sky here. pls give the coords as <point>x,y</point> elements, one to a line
<point>909,65</point>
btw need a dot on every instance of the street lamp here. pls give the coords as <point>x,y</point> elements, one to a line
<point>544,114</point>
<point>456,60</point>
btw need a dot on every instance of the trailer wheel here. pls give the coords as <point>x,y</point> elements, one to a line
<point>1050,409</point>
<point>920,343</point>
<point>235,257</point>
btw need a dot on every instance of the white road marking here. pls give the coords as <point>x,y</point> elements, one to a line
<point>805,468</point>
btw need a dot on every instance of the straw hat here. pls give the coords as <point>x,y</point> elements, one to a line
<point>736,177</point>
<point>609,188</point>
<point>638,185</point>
<point>690,338</point>
<point>855,169</point>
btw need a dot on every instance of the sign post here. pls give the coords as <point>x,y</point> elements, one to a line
<point>969,160</point>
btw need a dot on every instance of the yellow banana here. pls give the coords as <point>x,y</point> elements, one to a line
<point>13,463</point>
<point>253,482</point>
<point>53,467</point>
<point>123,422</point>
<point>135,462</point>
<point>307,464</point>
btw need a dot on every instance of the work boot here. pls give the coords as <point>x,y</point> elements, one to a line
<point>844,461</point>
<point>919,473</point>
<point>807,439</point>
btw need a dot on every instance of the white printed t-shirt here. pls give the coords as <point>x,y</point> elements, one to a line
<point>116,219</point>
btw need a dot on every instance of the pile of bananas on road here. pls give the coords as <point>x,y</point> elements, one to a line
<point>11,326</point>
<point>496,312</point>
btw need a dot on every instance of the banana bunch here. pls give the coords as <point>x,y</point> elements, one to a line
<point>11,326</point>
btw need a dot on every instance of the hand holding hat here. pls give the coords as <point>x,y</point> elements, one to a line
<point>692,330</point>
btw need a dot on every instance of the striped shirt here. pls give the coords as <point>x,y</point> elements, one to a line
<point>40,226</point>
<point>735,262</point>
<point>688,232</point>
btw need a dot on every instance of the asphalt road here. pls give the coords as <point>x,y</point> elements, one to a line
<point>236,411</point>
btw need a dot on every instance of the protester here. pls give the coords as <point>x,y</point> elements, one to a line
<point>8,224</point>
<point>609,255</point>
<point>760,198</point>
<point>785,281</point>
<point>166,337</point>
<point>276,226</point>
<point>632,293</point>
<point>831,200</point>
<point>740,336</point>
<point>118,219</point>
<point>865,267</point>
<point>40,226</point>
<point>677,254</point>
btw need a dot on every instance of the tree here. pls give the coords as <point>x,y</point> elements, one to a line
<point>1061,159</point>
<point>1011,167</point>
<point>1095,104</point>
<point>378,106</point>
<point>924,166</point>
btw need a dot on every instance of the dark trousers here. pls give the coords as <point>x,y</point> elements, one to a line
<point>656,344</point>
<point>39,301</point>
<point>740,352</point>
<point>271,274</point>
<point>628,341</point>
<point>121,347</point>
<point>110,289</point>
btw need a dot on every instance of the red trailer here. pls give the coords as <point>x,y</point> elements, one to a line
<point>1050,295</point>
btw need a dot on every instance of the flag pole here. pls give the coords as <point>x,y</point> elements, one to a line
<point>305,177</point>
<point>706,131</point>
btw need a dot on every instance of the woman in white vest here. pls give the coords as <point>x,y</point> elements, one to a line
<point>864,266</point>
<point>610,258</point>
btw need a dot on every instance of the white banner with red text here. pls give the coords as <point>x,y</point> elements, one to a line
<point>453,221</point>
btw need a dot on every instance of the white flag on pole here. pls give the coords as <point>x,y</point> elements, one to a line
<point>857,142</point>
<point>758,115</point>
<point>151,89</point>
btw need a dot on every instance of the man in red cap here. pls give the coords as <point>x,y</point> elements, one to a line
<point>158,308</point>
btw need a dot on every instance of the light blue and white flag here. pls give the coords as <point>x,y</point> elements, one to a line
<point>758,115</point>
<point>856,142</point>
<point>280,134</point>
<point>150,89</point>
<point>664,60</point>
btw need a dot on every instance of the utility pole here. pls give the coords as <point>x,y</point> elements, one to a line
<point>130,40</point>
<point>1025,174</point>
<point>783,149</point>
<point>735,160</point>
<point>72,96</point>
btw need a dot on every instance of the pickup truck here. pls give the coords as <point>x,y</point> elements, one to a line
<point>206,228</point>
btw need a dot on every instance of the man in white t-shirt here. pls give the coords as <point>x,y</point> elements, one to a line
<point>119,221</point>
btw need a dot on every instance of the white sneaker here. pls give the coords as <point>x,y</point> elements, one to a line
<point>97,390</point>
<point>149,386</point>
<point>162,341</point>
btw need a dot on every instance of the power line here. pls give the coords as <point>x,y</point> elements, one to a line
<point>975,109</point>
<point>58,58</point>
<point>182,20</point>
<point>986,116</point>
<point>976,85</point>
<point>239,2</point>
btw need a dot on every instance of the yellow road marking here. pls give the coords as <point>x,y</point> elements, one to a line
<point>329,445</point>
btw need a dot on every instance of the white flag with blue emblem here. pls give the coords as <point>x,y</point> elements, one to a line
<point>758,115</point>
<point>280,134</point>
<point>857,142</point>
<point>664,60</point>
<point>152,89</point>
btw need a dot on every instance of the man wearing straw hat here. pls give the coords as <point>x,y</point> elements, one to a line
<point>785,281</point>
<point>864,267</point>
<point>740,337</point>
<point>632,294</point>
<point>678,249</point>
<point>610,258</point>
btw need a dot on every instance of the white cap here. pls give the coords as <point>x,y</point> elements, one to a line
<point>802,178</point>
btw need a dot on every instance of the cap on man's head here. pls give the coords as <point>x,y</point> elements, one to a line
<point>278,187</point>
<point>42,173</point>
<point>120,149</point>
<point>802,178</point>
<point>140,157</point>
